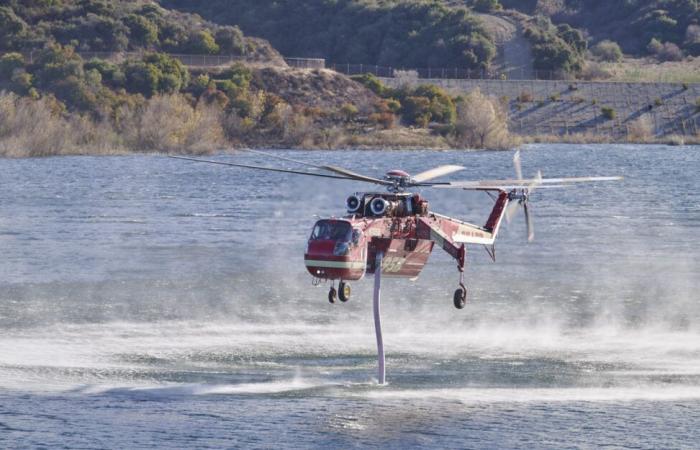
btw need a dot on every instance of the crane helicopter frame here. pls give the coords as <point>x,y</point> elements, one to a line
<point>396,230</point>
<point>393,233</point>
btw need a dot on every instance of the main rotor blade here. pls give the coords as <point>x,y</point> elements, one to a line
<point>270,169</point>
<point>519,184</point>
<point>356,176</point>
<point>518,166</point>
<point>283,158</point>
<point>436,172</point>
<point>349,174</point>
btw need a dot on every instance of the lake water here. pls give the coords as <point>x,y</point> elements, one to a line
<point>152,302</point>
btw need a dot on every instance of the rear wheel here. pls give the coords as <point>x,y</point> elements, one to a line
<point>344,291</point>
<point>332,295</point>
<point>460,298</point>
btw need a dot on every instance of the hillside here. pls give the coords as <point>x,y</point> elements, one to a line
<point>408,33</point>
<point>114,26</point>
<point>140,97</point>
<point>633,24</point>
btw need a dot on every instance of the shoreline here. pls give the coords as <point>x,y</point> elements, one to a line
<point>273,148</point>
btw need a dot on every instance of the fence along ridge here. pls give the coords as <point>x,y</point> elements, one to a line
<point>424,73</point>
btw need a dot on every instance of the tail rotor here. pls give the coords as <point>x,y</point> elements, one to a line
<point>519,197</point>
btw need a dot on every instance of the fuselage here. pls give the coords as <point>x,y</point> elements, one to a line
<point>345,248</point>
<point>400,226</point>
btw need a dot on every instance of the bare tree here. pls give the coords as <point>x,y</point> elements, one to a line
<point>481,123</point>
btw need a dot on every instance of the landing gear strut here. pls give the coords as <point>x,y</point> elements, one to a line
<point>460,296</point>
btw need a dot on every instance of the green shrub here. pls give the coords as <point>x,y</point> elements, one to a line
<point>349,112</point>
<point>442,108</point>
<point>230,40</point>
<point>202,42</point>
<point>658,101</point>
<point>556,48</point>
<point>22,81</point>
<point>141,77</point>
<point>142,32</point>
<point>240,76</point>
<point>608,113</point>
<point>56,63</point>
<point>156,73</point>
<point>607,51</point>
<point>416,111</point>
<point>110,72</point>
<point>486,5</point>
<point>372,83</point>
<point>9,62</point>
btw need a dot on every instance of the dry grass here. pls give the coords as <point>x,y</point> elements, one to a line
<point>398,138</point>
<point>651,71</point>
<point>32,128</point>
<point>170,124</point>
<point>640,129</point>
<point>593,138</point>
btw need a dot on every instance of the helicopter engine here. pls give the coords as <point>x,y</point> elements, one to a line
<point>353,204</point>
<point>382,207</point>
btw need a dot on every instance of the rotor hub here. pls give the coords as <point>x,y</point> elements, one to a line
<point>399,179</point>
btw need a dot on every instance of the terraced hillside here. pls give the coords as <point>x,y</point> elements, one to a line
<point>564,108</point>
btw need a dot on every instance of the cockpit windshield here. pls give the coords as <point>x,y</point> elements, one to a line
<point>332,230</point>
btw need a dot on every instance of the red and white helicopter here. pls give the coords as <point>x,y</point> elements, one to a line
<point>396,231</point>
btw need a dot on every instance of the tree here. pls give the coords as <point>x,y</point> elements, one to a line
<point>142,32</point>
<point>202,42</point>
<point>480,123</point>
<point>230,40</point>
<point>141,77</point>
<point>11,27</point>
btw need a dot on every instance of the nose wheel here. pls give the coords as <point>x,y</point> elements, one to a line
<point>344,291</point>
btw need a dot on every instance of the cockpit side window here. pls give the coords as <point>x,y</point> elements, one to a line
<point>332,230</point>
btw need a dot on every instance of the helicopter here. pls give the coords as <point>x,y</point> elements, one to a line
<point>393,233</point>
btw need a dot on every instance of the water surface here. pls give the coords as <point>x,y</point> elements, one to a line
<point>151,302</point>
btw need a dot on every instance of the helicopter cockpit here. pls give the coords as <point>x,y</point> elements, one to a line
<point>332,230</point>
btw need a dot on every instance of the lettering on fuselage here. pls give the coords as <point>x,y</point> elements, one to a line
<point>392,264</point>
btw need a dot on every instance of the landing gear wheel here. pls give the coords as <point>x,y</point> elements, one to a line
<point>332,295</point>
<point>460,297</point>
<point>344,291</point>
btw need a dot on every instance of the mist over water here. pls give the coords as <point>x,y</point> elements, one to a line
<point>146,301</point>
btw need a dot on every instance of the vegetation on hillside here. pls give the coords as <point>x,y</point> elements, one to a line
<point>633,24</point>
<point>398,33</point>
<point>470,121</point>
<point>100,25</point>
